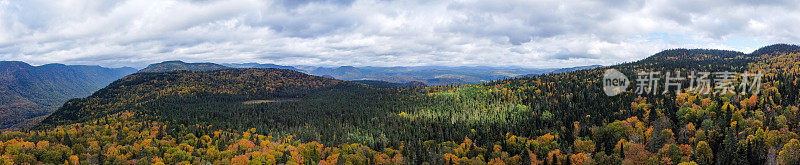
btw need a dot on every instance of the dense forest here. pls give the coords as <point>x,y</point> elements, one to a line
<point>277,116</point>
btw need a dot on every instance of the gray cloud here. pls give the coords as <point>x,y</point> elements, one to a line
<point>540,33</point>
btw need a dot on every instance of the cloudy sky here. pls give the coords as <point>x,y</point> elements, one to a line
<point>536,33</point>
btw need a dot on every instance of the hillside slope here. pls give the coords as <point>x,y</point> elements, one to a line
<point>29,91</point>
<point>142,91</point>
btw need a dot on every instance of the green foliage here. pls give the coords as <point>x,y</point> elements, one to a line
<point>790,154</point>
<point>703,153</point>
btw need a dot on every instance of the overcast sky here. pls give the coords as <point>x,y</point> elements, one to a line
<point>538,33</point>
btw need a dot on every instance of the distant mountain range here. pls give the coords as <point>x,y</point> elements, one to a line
<point>259,66</point>
<point>567,70</point>
<point>428,75</point>
<point>385,84</point>
<point>29,92</point>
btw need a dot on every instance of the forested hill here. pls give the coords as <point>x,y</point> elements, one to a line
<point>154,92</point>
<point>775,50</point>
<point>169,66</point>
<point>27,92</point>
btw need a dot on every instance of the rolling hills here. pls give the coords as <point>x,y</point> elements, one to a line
<point>389,84</point>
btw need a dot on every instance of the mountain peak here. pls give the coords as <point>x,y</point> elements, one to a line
<point>776,48</point>
<point>14,64</point>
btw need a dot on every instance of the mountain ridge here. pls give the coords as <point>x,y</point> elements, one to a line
<point>171,66</point>
<point>31,91</point>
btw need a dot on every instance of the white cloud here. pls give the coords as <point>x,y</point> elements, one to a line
<point>542,33</point>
